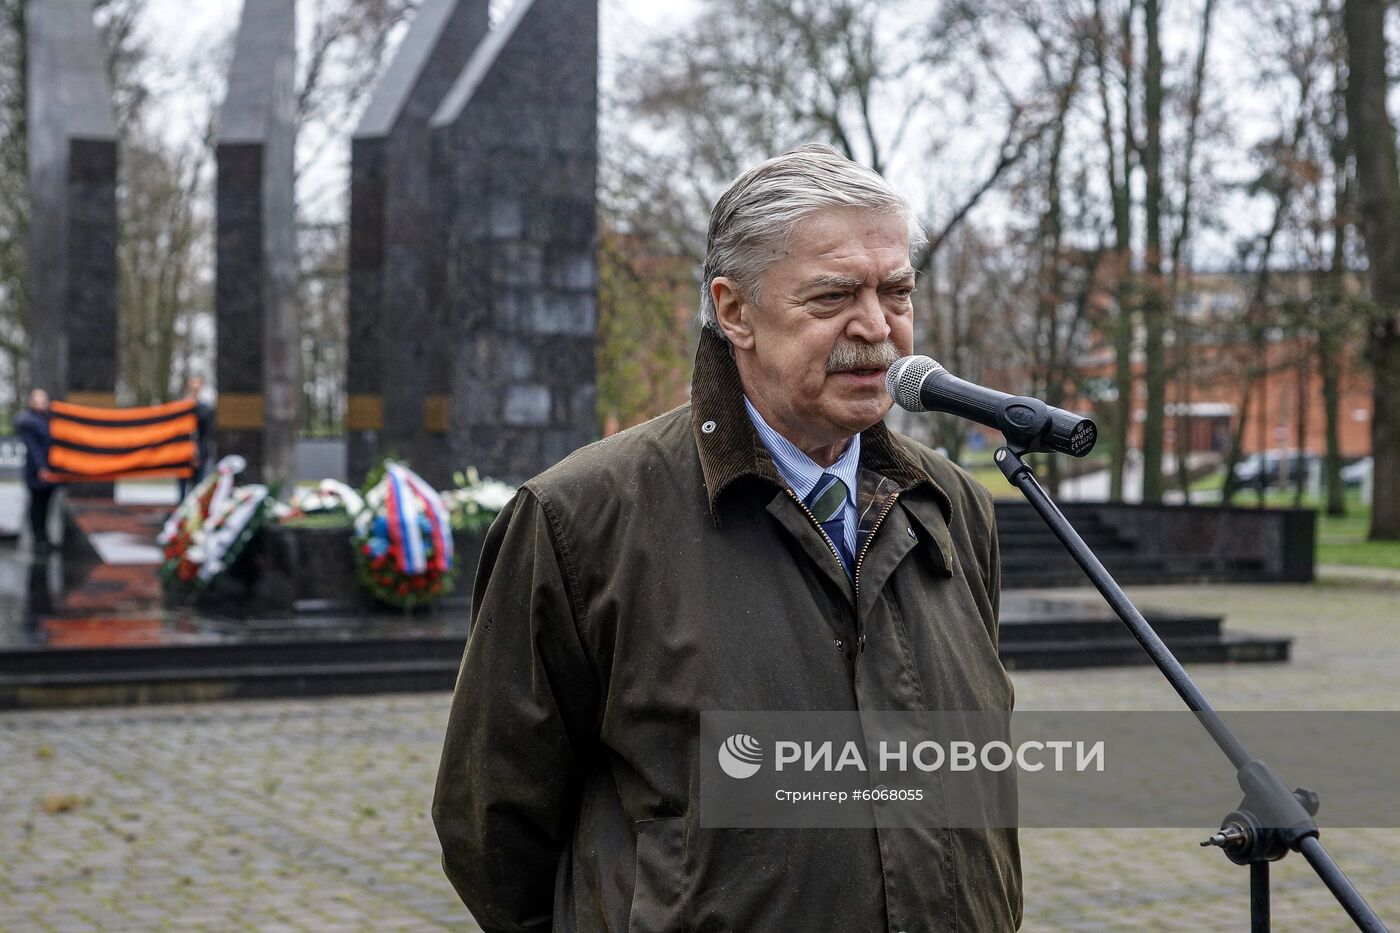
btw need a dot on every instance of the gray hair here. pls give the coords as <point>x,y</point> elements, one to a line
<point>753,220</point>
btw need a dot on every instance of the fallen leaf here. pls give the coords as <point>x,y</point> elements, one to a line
<point>58,802</point>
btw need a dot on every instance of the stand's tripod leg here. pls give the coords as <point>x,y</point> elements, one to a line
<point>1259,897</point>
<point>1260,778</point>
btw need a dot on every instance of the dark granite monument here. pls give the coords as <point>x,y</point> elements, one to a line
<point>72,149</point>
<point>515,165</point>
<point>398,368</point>
<point>255,302</point>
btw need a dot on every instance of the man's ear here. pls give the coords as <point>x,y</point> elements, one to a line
<point>733,312</point>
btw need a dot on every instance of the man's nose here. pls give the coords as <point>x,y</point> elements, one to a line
<point>868,323</point>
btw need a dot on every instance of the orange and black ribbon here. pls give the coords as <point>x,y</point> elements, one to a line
<point>90,444</point>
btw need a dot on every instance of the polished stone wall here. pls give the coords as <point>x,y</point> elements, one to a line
<point>72,153</point>
<point>399,362</point>
<point>255,302</point>
<point>515,165</point>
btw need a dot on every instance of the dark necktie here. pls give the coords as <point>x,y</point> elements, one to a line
<point>827,501</point>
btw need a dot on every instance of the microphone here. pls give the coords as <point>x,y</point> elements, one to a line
<point>917,383</point>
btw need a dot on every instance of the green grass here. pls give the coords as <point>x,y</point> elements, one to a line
<point>991,477</point>
<point>984,469</point>
<point>1342,540</point>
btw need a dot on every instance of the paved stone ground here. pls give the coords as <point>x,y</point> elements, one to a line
<point>313,815</point>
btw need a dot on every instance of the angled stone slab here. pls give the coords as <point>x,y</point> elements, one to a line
<point>258,359</point>
<point>515,165</point>
<point>398,361</point>
<point>72,151</point>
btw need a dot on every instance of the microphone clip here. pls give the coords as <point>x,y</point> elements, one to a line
<point>1025,422</point>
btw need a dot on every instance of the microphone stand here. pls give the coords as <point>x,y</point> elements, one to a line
<point>1271,821</point>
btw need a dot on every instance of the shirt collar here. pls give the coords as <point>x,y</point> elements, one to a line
<point>728,444</point>
<point>799,470</point>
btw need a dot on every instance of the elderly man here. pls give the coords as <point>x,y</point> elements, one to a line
<point>770,546</point>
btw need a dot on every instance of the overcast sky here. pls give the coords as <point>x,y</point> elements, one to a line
<point>185,34</point>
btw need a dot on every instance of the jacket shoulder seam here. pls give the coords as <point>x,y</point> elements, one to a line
<point>567,562</point>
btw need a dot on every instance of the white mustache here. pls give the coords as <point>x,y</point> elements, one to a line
<point>851,354</point>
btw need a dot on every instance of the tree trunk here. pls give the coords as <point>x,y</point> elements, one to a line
<point>1182,364</point>
<point>1051,278</point>
<point>1181,444</point>
<point>14,275</point>
<point>1330,324</point>
<point>1300,471</point>
<point>1372,138</point>
<point>1329,367</point>
<point>1121,327</point>
<point>1154,306</point>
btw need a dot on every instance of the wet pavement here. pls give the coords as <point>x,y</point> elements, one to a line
<point>110,597</point>
<point>313,814</point>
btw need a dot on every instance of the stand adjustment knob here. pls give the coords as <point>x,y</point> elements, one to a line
<point>1231,835</point>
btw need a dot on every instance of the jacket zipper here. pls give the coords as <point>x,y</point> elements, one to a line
<point>879,520</point>
<point>820,530</point>
<point>889,504</point>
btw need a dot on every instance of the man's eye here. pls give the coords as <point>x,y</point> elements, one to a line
<point>830,297</point>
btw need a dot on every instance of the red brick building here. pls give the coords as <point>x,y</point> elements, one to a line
<point>1209,365</point>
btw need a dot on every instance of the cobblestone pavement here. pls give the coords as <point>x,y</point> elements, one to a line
<point>313,815</point>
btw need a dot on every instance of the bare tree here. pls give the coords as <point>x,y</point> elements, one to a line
<point>645,338</point>
<point>1182,370</point>
<point>324,297</point>
<point>751,78</point>
<point>349,47</point>
<point>350,44</point>
<point>1153,121</point>
<point>14,203</point>
<point>1334,321</point>
<point>1113,52</point>
<point>161,253</point>
<point>971,312</point>
<point>1155,308</point>
<point>1372,139</point>
<point>1057,304</point>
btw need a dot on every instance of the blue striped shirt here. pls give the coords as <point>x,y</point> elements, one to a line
<point>801,472</point>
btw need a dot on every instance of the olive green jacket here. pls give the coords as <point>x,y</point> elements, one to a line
<point>668,570</point>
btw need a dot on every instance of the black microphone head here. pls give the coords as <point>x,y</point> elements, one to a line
<point>904,379</point>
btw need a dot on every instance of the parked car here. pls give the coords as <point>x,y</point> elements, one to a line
<point>1355,474</point>
<point>1275,467</point>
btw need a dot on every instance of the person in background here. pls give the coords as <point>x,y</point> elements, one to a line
<point>204,434</point>
<point>33,429</point>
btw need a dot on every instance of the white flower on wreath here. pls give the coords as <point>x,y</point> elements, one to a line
<point>474,494</point>
<point>332,494</point>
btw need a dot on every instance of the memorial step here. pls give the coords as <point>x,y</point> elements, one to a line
<point>1171,629</point>
<point>1059,655</point>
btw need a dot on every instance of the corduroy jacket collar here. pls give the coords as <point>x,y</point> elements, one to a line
<point>730,447</point>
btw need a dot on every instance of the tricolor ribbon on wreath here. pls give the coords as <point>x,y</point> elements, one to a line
<point>402,538</point>
<point>416,519</point>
